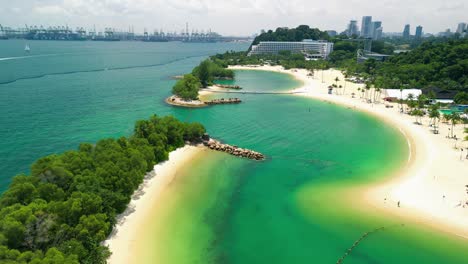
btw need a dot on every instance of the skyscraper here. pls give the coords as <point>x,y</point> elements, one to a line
<point>352,28</point>
<point>461,27</point>
<point>366,27</point>
<point>418,33</point>
<point>378,33</point>
<point>406,32</point>
<point>374,27</point>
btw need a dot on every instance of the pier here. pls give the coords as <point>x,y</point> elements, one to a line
<point>224,101</point>
<point>233,150</point>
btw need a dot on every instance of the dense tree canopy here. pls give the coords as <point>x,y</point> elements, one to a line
<point>67,206</point>
<point>442,65</point>
<point>210,70</point>
<point>187,88</point>
<point>294,34</point>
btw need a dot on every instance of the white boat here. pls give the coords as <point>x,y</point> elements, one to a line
<point>27,48</point>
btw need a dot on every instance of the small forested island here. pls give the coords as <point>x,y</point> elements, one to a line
<point>67,207</point>
<point>186,90</point>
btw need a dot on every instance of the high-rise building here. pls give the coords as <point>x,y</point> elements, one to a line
<point>378,33</point>
<point>352,28</point>
<point>419,32</point>
<point>461,27</point>
<point>366,27</point>
<point>374,27</point>
<point>406,32</point>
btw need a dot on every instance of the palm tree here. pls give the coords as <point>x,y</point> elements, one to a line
<point>367,87</point>
<point>336,81</point>
<point>346,77</point>
<point>454,118</point>
<point>422,99</point>
<point>377,91</point>
<point>418,114</point>
<point>434,114</point>
<point>401,99</point>
<point>411,102</point>
<point>445,118</point>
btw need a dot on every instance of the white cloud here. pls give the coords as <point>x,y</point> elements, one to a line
<point>50,10</point>
<point>237,16</point>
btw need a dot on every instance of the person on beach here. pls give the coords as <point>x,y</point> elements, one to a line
<point>398,203</point>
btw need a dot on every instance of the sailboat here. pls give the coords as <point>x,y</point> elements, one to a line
<point>27,48</point>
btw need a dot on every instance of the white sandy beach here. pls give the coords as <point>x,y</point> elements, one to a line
<point>124,233</point>
<point>434,170</point>
<point>431,186</point>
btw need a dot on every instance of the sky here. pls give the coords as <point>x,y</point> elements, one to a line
<point>233,17</point>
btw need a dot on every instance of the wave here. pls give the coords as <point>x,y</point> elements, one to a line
<point>27,57</point>
<point>94,70</point>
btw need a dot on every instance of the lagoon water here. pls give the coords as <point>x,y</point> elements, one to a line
<point>298,206</point>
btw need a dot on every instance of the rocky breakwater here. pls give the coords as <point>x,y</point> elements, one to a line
<point>233,150</point>
<point>236,87</point>
<point>224,101</point>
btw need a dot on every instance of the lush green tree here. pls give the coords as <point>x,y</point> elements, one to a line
<point>454,118</point>
<point>63,211</point>
<point>187,88</point>
<point>461,97</point>
<point>204,73</point>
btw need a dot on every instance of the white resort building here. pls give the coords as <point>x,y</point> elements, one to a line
<point>310,48</point>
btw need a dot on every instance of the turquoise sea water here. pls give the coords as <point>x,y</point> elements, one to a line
<point>64,93</point>
<point>298,206</point>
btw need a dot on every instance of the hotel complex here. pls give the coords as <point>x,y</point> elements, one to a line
<point>310,48</point>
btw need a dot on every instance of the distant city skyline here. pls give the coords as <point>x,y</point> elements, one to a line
<point>239,17</point>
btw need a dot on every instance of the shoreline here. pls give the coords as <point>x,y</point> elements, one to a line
<point>120,241</point>
<point>430,185</point>
<point>176,101</point>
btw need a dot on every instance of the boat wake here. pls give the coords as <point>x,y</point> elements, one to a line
<point>92,70</point>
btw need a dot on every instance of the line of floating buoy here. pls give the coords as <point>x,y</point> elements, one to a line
<point>224,101</point>
<point>233,150</point>
<point>356,243</point>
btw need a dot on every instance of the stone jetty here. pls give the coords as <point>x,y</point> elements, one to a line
<point>236,87</point>
<point>233,150</point>
<point>224,101</point>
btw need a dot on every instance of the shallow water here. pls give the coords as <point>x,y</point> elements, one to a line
<point>301,204</point>
<point>64,93</point>
<point>298,206</point>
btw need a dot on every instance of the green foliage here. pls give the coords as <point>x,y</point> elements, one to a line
<point>295,34</point>
<point>187,88</point>
<point>212,69</point>
<point>67,206</point>
<point>461,98</point>
<point>431,64</point>
<point>285,59</point>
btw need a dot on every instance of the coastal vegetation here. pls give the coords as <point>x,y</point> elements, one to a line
<point>187,88</point>
<point>294,34</point>
<point>440,64</point>
<point>210,70</point>
<point>202,76</point>
<point>63,211</point>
